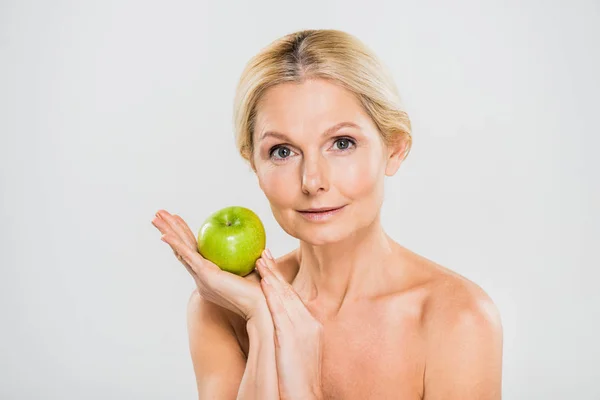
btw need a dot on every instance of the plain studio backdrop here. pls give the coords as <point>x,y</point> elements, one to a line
<point>112,110</point>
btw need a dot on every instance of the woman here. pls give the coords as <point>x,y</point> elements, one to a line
<point>350,314</point>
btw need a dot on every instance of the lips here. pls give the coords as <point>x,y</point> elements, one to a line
<point>317,210</point>
<point>322,214</point>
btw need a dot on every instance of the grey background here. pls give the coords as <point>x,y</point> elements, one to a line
<point>112,110</point>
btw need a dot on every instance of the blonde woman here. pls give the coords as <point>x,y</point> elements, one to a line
<point>349,314</point>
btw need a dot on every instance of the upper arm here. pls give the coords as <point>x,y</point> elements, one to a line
<point>217,359</point>
<point>465,354</point>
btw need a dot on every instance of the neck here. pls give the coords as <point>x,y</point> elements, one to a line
<point>329,274</point>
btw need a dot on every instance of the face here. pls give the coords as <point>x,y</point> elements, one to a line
<point>315,147</point>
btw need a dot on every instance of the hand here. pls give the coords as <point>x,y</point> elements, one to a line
<point>298,335</point>
<point>241,295</point>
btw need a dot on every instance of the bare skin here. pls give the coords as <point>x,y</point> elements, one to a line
<point>375,347</point>
<point>395,324</point>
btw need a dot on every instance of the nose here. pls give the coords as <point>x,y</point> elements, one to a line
<point>315,175</point>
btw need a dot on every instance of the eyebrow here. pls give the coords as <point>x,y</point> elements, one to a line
<point>328,131</point>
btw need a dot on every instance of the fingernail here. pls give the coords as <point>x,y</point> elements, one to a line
<point>268,254</point>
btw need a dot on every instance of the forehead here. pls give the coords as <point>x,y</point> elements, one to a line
<point>314,104</point>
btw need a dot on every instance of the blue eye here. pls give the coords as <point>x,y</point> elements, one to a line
<point>281,152</point>
<point>344,143</point>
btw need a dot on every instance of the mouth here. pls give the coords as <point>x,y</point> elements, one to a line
<point>320,214</point>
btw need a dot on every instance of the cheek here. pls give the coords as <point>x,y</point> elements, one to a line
<point>359,176</point>
<point>277,185</point>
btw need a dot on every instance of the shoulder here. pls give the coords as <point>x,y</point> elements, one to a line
<point>447,302</point>
<point>460,331</point>
<point>446,297</point>
<point>215,352</point>
<point>454,302</point>
<point>462,336</point>
<point>439,299</point>
<point>201,312</point>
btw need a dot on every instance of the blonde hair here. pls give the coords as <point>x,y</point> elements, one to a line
<point>327,54</point>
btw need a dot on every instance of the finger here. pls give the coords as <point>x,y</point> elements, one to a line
<point>191,257</point>
<point>182,260</point>
<point>162,225</point>
<point>279,314</point>
<point>284,290</point>
<point>270,268</point>
<point>177,227</point>
<point>187,266</point>
<point>268,257</point>
<point>165,228</point>
<point>190,238</point>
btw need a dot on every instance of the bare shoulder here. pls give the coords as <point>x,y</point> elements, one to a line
<point>216,356</point>
<point>205,316</point>
<point>447,298</point>
<point>454,300</point>
<point>450,297</point>
<point>462,332</point>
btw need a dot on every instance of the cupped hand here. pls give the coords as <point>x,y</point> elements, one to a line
<point>241,295</point>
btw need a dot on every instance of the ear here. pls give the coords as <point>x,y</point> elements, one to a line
<point>395,156</point>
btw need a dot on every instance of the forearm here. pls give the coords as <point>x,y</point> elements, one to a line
<point>260,377</point>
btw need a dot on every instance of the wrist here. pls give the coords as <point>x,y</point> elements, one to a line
<point>260,320</point>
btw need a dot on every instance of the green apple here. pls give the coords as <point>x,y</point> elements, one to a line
<point>233,238</point>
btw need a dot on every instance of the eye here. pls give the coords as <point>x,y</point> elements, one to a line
<point>280,153</point>
<point>344,143</point>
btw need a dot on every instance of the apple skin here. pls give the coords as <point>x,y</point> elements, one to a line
<point>233,238</point>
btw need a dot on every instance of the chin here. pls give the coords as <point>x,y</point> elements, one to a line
<point>321,234</point>
<point>320,240</point>
<point>317,234</point>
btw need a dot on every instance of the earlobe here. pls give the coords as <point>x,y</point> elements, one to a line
<point>393,165</point>
<point>395,159</point>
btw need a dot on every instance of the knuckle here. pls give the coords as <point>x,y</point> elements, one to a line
<point>202,289</point>
<point>198,271</point>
